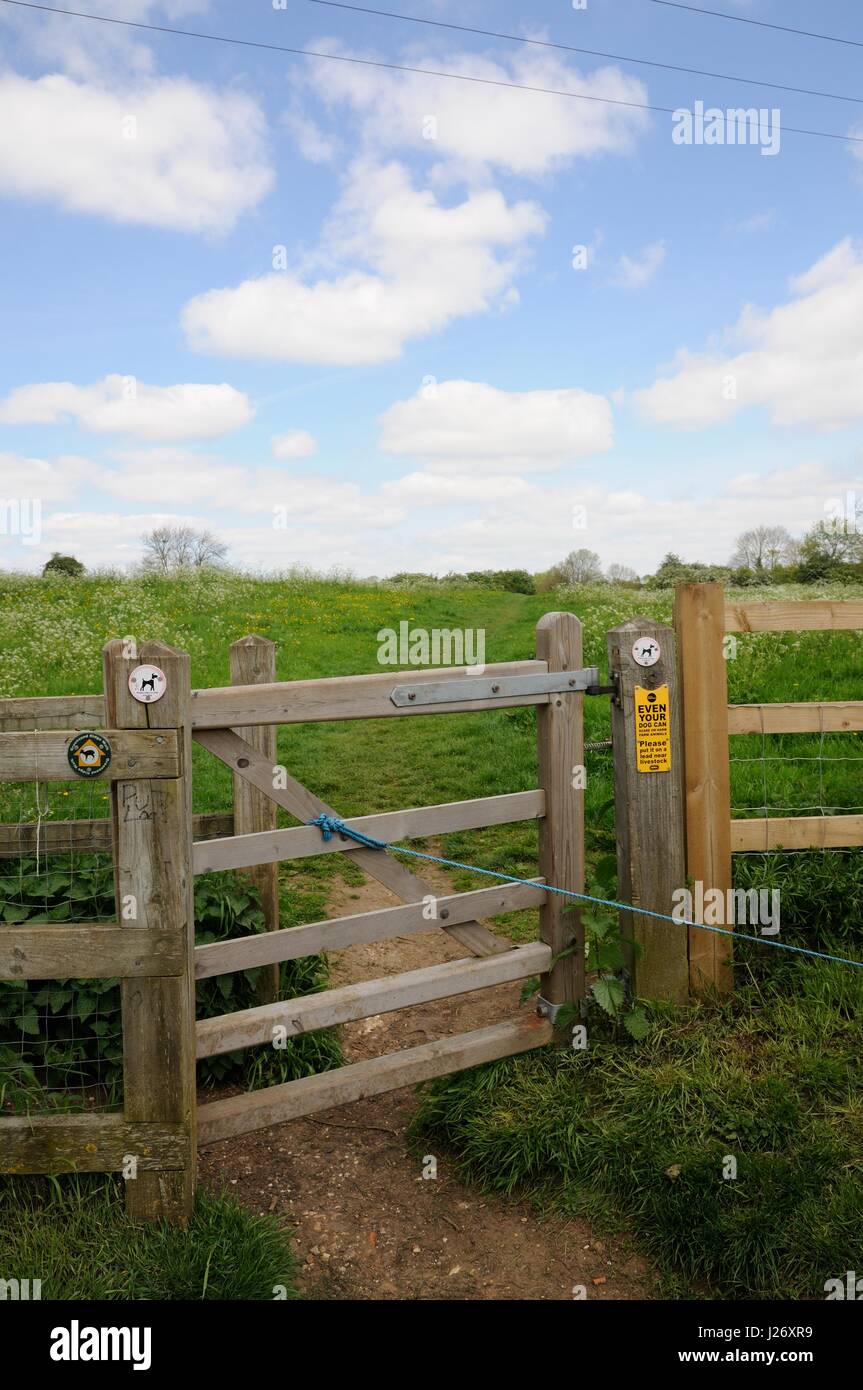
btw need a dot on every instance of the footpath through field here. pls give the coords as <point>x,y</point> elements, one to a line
<point>367,1224</point>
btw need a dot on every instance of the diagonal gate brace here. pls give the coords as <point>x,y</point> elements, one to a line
<point>239,755</point>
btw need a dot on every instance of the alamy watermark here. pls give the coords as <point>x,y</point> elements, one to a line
<point>21,516</point>
<point>733,907</point>
<point>737,125</point>
<point>420,646</point>
<point>20,1290</point>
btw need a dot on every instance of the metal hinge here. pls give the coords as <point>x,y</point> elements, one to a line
<point>495,687</point>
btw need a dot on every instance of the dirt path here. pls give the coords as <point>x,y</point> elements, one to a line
<point>367,1224</point>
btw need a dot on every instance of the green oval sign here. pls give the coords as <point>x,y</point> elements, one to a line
<point>89,755</point>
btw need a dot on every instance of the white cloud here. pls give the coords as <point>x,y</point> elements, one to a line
<point>164,152</point>
<point>446,490</point>
<point>803,360</point>
<point>56,480</point>
<point>633,272</point>
<point>428,265</point>
<point>477,124</point>
<point>177,477</point>
<point>471,427</point>
<point>122,405</point>
<point>312,143</point>
<point>296,444</point>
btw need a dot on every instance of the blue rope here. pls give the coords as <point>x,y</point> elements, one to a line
<point>332,825</point>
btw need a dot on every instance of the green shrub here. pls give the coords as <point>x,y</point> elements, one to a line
<point>56,1035</point>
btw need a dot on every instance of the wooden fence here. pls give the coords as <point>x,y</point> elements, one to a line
<point>703,619</point>
<point>673,819</point>
<point>159,846</point>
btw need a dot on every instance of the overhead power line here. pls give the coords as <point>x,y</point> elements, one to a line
<point>574,48</point>
<point>392,67</point>
<point>760,23</point>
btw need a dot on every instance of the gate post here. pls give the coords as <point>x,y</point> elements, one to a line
<point>699,617</point>
<point>154,887</point>
<point>648,805</point>
<point>253,662</point>
<point>560,749</point>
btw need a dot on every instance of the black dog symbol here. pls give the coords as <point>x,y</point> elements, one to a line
<point>149,683</point>
<point>648,649</point>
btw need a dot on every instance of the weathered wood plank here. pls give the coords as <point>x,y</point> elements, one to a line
<point>222,1119</point>
<point>244,953</point>
<point>42,757</point>
<point>90,1144</point>
<point>86,950</point>
<point>814,615</point>
<point>253,662</point>
<point>699,620</point>
<point>305,805</point>
<point>649,818</point>
<point>52,712</point>
<point>797,832</point>
<point>560,747</point>
<point>154,889</point>
<point>90,836</point>
<point>252,1027</point>
<point>829,717</point>
<point>299,842</point>
<point>342,697</point>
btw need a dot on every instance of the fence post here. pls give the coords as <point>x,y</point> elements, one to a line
<point>154,886</point>
<point>560,750</point>
<point>648,806</point>
<point>699,618</point>
<point>253,662</point>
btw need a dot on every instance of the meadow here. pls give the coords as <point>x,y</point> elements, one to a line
<point>631,1133</point>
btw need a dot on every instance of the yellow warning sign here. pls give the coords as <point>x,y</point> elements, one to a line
<point>652,730</point>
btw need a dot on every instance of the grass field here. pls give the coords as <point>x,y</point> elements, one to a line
<point>771,1077</point>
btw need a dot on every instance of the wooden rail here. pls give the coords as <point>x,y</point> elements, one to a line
<point>797,832</point>
<point>42,756</point>
<point>86,950</point>
<point>830,717</point>
<point>90,836</point>
<point>91,1144</point>
<point>222,1119</point>
<point>301,841</point>
<point>247,952</point>
<point>251,1027</point>
<point>344,697</point>
<point>815,615</point>
<point>52,712</point>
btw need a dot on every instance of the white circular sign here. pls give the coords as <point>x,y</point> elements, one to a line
<point>646,651</point>
<point>147,683</point>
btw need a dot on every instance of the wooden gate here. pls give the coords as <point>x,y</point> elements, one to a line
<point>151,945</point>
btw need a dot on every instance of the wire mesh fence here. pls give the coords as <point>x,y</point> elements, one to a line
<point>61,1042</point>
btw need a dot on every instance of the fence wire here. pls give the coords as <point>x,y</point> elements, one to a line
<point>61,1040</point>
<point>796,774</point>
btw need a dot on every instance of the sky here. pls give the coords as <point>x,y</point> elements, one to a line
<point>360,317</point>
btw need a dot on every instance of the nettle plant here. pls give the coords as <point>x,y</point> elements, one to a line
<point>605,949</point>
<point>64,1037</point>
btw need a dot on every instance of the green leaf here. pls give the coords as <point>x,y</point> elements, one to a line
<point>636,1023</point>
<point>12,912</point>
<point>30,1022</point>
<point>528,989</point>
<point>608,993</point>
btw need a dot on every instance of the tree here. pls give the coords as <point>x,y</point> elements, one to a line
<point>581,567</point>
<point>621,574</point>
<point>63,564</point>
<point>828,550</point>
<point>761,548</point>
<point>170,549</point>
